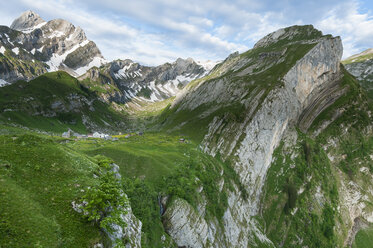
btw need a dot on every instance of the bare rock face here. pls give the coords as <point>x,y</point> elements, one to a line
<point>26,21</point>
<point>186,225</point>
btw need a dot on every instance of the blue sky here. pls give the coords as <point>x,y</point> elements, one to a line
<point>157,31</point>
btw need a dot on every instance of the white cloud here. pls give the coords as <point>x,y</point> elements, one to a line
<point>176,36</point>
<point>355,28</point>
<point>156,31</point>
<point>201,22</point>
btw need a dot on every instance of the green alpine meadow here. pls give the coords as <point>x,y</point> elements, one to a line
<point>269,147</point>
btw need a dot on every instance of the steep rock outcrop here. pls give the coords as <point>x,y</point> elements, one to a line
<point>254,118</point>
<point>132,231</point>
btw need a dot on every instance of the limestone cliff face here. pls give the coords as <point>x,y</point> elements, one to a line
<point>249,138</point>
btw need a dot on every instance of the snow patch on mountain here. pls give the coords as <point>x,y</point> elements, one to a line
<point>40,49</point>
<point>96,62</point>
<point>123,73</point>
<point>56,34</point>
<point>15,50</point>
<point>3,83</point>
<point>57,60</point>
<point>29,30</point>
<point>54,43</point>
<point>170,87</point>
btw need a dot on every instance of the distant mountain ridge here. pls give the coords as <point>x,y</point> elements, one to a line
<point>124,81</point>
<point>361,66</point>
<point>32,46</point>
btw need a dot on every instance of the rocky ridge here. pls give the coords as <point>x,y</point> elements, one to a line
<point>125,81</point>
<point>250,103</point>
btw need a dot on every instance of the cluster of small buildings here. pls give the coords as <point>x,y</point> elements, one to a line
<point>98,135</point>
<point>102,136</point>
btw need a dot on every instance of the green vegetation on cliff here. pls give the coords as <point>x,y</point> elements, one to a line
<point>39,178</point>
<point>301,197</point>
<point>157,165</point>
<point>305,186</point>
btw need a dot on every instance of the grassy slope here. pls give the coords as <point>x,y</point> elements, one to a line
<point>27,100</point>
<point>149,156</point>
<point>104,85</point>
<point>363,239</point>
<point>358,59</point>
<point>289,216</point>
<point>22,62</point>
<point>39,178</point>
<point>29,68</point>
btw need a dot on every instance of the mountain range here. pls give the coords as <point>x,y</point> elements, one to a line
<point>272,147</point>
<point>32,47</point>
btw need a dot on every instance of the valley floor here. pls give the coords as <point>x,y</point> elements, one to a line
<point>41,175</point>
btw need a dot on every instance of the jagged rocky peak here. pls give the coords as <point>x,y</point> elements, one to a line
<point>136,82</point>
<point>293,33</point>
<point>26,21</point>
<point>184,66</point>
<point>118,64</point>
<point>60,27</point>
<point>35,46</point>
<point>183,62</point>
<point>233,55</point>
